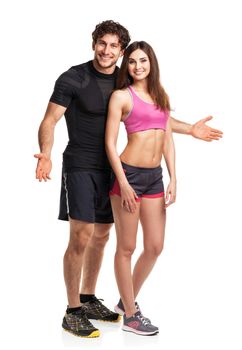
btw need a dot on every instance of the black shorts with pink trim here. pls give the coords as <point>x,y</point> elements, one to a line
<point>146,182</point>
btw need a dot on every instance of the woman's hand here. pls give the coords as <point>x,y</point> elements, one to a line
<point>204,132</point>
<point>170,194</point>
<point>128,197</point>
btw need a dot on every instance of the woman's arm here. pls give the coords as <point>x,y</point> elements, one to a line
<point>169,155</point>
<point>198,130</point>
<point>115,112</point>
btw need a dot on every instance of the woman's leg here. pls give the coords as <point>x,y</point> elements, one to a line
<point>126,225</point>
<point>153,218</point>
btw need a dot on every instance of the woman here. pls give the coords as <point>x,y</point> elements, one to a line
<point>137,191</point>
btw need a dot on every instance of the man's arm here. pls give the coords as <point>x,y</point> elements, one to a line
<point>46,139</point>
<point>198,130</point>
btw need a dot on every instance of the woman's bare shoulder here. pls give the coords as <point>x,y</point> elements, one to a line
<point>121,94</point>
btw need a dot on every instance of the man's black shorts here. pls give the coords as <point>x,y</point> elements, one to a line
<point>85,196</point>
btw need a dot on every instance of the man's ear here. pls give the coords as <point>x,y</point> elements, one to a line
<point>121,53</point>
<point>93,45</point>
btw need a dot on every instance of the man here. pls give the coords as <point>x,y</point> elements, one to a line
<point>82,94</point>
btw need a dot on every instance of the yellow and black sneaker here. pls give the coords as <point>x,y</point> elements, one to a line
<point>77,323</point>
<point>95,310</point>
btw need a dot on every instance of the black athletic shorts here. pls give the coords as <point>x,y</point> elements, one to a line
<point>85,196</point>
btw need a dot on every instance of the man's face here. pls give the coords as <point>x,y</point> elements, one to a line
<point>107,51</point>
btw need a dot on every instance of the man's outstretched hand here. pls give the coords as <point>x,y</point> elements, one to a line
<point>43,168</point>
<point>204,132</point>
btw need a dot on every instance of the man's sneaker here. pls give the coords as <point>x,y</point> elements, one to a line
<point>78,324</point>
<point>95,310</point>
<point>138,325</point>
<point>119,308</point>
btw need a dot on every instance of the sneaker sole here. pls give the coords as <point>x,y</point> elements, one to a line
<point>94,334</point>
<point>135,331</point>
<point>118,310</point>
<point>99,319</point>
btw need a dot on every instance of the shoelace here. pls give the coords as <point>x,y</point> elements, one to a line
<point>99,304</point>
<point>146,318</point>
<point>96,300</point>
<point>143,320</point>
<point>82,320</point>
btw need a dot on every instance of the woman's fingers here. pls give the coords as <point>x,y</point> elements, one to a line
<point>170,199</point>
<point>129,204</point>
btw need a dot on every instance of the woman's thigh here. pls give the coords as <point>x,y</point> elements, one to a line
<point>126,223</point>
<point>153,219</point>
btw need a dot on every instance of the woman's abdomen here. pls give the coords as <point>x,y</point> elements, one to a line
<point>144,149</point>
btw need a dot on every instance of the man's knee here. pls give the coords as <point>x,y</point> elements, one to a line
<point>101,234</point>
<point>80,234</point>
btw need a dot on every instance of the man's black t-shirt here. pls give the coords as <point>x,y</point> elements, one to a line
<point>85,92</point>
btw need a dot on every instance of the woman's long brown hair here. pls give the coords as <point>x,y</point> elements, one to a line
<point>155,89</point>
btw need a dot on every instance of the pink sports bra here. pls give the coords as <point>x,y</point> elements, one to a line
<point>144,115</point>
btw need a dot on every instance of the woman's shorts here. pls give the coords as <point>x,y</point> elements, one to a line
<point>146,182</point>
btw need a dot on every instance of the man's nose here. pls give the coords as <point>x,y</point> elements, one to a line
<point>106,49</point>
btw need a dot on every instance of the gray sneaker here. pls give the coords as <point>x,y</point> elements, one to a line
<point>138,325</point>
<point>119,308</point>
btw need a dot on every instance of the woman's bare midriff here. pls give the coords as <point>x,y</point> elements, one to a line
<point>144,148</point>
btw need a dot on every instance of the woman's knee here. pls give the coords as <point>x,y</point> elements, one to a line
<point>125,252</point>
<point>153,250</point>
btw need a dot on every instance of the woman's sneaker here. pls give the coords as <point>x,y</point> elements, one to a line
<point>78,324</point>
<point>119,308</point>
<point>138,325</point>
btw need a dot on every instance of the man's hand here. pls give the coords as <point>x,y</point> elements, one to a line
<point>204,132</point>
<point>43,168</point>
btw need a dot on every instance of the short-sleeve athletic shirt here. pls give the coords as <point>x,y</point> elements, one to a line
<point>85,92</point>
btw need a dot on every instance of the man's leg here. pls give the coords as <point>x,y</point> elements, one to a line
<point>93,257</point>
<point>80,233</point>
<point>75,320</point>
<point>94,308</point>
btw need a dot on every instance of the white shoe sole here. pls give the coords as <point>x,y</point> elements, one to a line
<point>129,329</point>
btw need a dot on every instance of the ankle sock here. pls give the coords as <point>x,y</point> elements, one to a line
<point>84,298</point>
<point>73,309</point>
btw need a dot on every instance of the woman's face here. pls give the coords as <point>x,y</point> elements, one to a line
<point>138,65</point>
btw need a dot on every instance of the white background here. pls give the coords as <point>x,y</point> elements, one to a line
<point>194,292</point>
